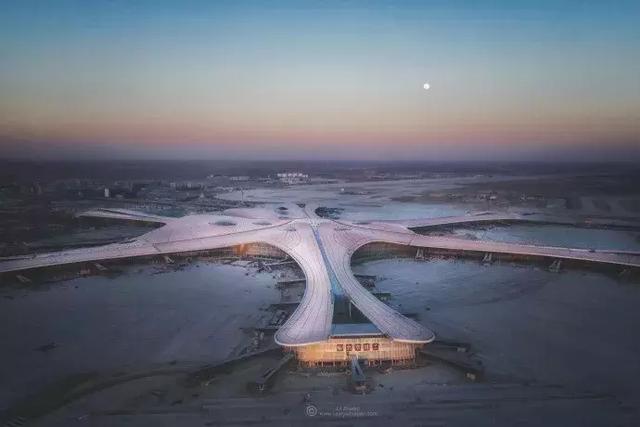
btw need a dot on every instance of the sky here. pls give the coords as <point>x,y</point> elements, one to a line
<point>509,80</point>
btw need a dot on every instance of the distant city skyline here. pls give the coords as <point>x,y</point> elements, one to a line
<point>320,80</point>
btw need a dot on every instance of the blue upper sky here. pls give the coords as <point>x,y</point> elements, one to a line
<point>320,79</point>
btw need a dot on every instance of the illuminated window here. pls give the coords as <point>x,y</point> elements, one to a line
<point>340,347</point>
<point>365,347</point>
<point>374,346</point>
<point>358,347</point>
<point>349,347</point>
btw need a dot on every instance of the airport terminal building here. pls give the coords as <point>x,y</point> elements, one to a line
<point>337,318</point>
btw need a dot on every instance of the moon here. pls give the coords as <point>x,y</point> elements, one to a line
<point>426,86</point>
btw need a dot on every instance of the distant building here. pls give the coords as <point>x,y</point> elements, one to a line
<point>292,178</point>
<point>186,186</point>
<point>106,193</point>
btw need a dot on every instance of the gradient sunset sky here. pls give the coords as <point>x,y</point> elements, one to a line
<point>543,80</point>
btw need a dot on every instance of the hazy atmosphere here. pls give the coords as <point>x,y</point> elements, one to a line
<point>541,80</point>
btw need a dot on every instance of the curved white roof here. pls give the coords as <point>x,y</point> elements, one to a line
<point>305,240</point>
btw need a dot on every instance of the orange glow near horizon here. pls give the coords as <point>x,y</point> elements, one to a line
<point>252,81</point>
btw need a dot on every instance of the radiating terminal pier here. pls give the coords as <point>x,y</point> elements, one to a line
<point>337,318</point>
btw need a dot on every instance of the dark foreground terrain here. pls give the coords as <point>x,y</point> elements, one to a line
<point>139,347</point>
